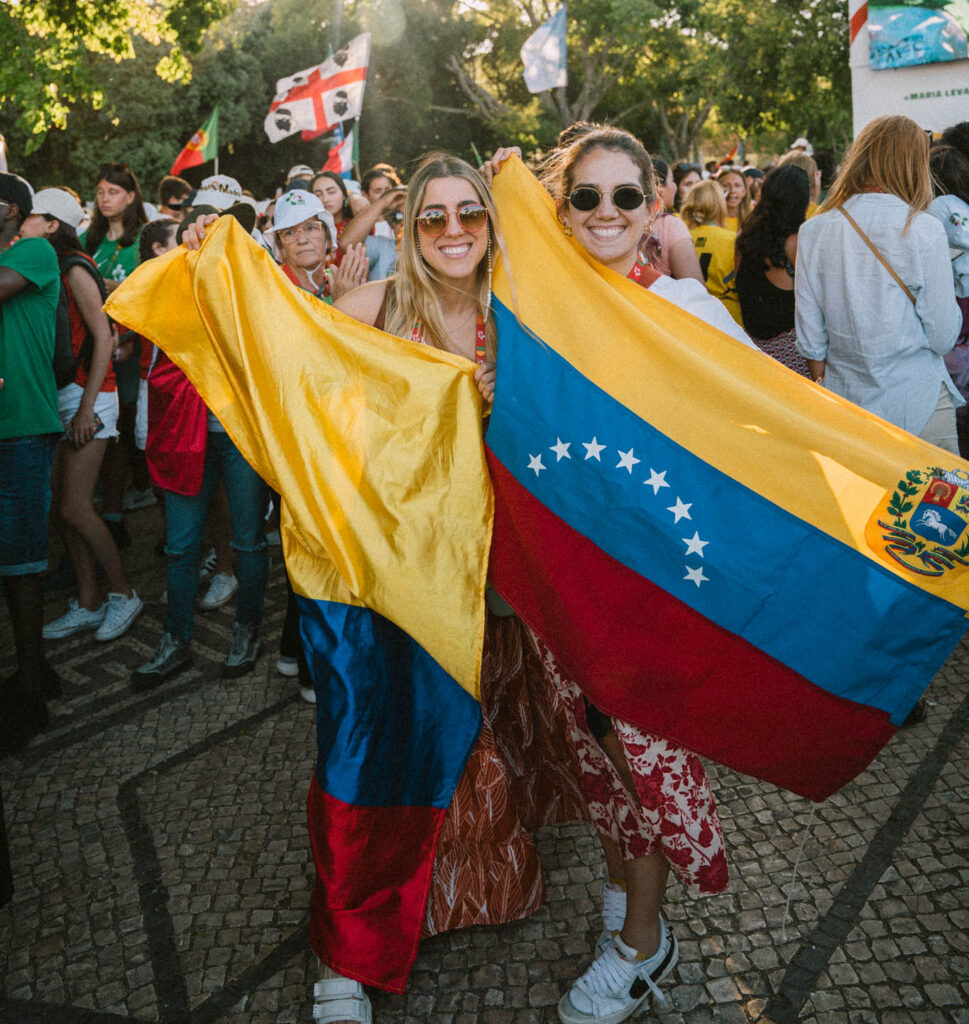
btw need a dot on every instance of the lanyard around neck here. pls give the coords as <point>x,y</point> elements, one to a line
<point>417,335</point>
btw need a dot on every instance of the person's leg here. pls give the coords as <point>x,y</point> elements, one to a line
<point>89,540</point>
<point>248,496</point>
<point>220,527</point>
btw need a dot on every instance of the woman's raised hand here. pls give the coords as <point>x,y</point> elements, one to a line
<point>353,271</point>
<point>491,167</point>
<point>195,233</point>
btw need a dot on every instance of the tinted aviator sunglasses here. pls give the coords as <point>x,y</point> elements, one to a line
<point>472,217</point>
<point>626,197</point>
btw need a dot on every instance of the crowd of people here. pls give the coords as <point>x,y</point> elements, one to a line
<point>856,277</point>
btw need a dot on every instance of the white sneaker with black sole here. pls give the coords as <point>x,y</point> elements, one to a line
<point>619,981</point>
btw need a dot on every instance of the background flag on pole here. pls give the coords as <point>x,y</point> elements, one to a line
<point>201,147</point>
<point>543,54</point>
<point>340,157</point>
<point>317,99</point>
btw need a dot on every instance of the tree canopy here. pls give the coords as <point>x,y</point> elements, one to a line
<point>444,74</point>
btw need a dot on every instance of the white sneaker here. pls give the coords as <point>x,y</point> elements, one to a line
<point>221,589</point>
<point>122,611</point>
<point>75,620</point>
<point>613,914</point>
<point>308,694</point>
<point>618,982</point>
<point>340,999</point>
<point>208,565</point>
<point>139,499</point>
<point>288,667</point>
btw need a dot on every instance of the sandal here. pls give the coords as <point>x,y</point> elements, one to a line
<point>336,1000</point>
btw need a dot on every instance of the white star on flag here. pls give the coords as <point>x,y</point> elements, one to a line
<point>592,450</point>
<point>696,575</point>
<point>656,480</point>
<point>680,510</point>
<point>561,449</point>
<point>627,460</point>
<point>695,546</point>
<point>535,462</point>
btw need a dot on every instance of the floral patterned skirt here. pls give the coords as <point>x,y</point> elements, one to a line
<point>782,347</point>
<point>672,810</point>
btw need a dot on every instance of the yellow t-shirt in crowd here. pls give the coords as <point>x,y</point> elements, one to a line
<point>715,248</point>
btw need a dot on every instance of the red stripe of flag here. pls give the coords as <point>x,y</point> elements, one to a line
<point>622,629</point>
<point>315,86</point>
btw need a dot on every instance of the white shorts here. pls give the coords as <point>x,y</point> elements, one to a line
<point>141,416</point>
<point>105,405</point>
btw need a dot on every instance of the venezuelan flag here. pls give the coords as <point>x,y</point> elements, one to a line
<point>375,446</point>
<point>715,549</point>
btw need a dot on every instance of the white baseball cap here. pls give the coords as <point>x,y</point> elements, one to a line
<point>300,171</point>
<point>296,207</point>
<point>220,191</point>
<point>55,202</point>
<point>802,143</point>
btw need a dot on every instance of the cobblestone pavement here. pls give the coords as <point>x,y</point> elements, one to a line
<point>162,870</point>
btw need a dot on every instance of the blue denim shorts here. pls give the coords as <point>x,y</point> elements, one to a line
<point>25,465</point>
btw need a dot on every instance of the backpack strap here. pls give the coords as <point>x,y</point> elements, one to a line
<point>79,259</point>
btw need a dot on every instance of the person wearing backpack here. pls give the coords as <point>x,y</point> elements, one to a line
<point>88,407</point>
<point>28,426</point>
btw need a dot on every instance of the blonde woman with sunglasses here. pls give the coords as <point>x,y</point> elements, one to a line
<point>648,799</point>
<point>486,869</point>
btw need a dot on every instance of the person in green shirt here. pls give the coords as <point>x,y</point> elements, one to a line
<point>29,426</point>
<point>112,242</point>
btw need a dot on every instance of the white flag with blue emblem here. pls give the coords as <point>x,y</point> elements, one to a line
<point>543,54</point>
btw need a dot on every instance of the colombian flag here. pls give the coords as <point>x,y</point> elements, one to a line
<point>375,446</point>
<point>714,548</point>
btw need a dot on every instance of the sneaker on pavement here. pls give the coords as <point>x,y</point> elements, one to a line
<point>75,620</point>
<point>308,694</point>
<point>243,652</point>
<point>613,914</point>
<point>618,982</point>
<point>122,611</point>
<point>208,565</point>
<point>288,667</point>
<point>221,590</point>
<point>171,656</point>
<point>134,499</point>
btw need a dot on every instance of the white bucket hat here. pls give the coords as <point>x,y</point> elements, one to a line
<point>297,207</point>
<point>55,202</point>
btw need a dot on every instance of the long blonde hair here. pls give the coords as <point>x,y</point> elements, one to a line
<point>413,294</point>
<point>891,154</point>
<point>799,158</point>
<point>704,204</point>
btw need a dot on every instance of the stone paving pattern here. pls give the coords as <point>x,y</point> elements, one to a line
<point>162,870</point>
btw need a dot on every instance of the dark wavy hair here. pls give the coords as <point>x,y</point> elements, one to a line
<point>780,212</point>
<point>950,172</point>
<point>134,216</point>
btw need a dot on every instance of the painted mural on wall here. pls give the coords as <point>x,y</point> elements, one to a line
<point>903,34</point>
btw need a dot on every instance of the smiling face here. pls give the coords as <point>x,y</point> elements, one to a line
<point>607,233</point>
<point>734,186</point>
<point>113,200</point>
<point>303,245</point>
<point>330,195</point>
<point>457,251</point>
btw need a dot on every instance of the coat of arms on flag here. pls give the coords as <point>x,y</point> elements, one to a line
<point>319,98</point>
<point>923,524</point>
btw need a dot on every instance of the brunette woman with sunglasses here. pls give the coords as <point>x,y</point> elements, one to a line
<point>649,800</point>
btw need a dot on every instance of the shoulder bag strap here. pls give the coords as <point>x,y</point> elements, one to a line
<point>881,259</point>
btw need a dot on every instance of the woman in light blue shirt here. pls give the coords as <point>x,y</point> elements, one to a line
<point>876,309</point>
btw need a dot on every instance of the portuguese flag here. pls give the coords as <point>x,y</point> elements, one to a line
<point>202,146</point>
